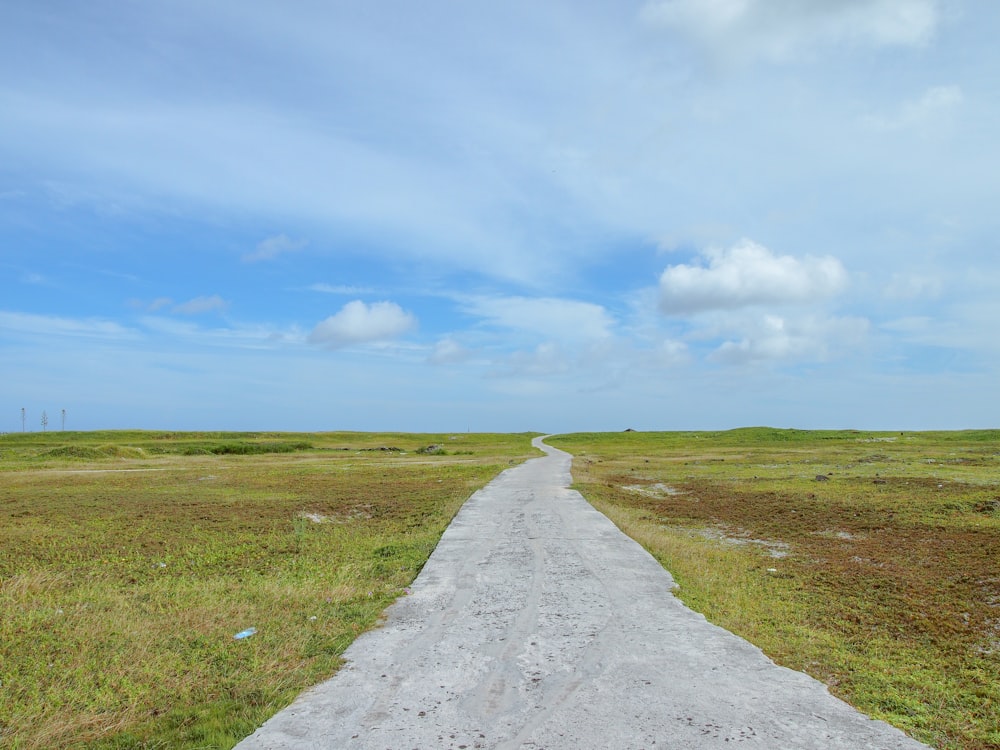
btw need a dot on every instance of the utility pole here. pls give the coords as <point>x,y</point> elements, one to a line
<point>22,419</point>
<point>64,420</point>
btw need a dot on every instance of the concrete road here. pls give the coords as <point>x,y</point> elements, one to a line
<point>537,624</point>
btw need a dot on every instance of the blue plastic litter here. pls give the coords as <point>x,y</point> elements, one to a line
<point>244,634</point>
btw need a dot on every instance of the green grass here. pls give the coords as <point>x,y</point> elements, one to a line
<point>882,580</point>
<point>128,561</point>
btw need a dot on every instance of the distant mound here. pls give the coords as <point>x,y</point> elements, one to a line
<point>245,448</point>
<point>95,452</point>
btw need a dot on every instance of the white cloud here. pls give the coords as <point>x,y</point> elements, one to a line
<point>748,274</point>
<point>935,103</point>
<point>196,306</point>
<point>913,325</point>
<point>558,167</point>
<point>546,359</point>
<point>447,351</point>
<point>272,247</point>
<point>775,339</point>
<point>159,303</point>
<point>548,317</point>
<point>668,353</point>
<point>784,29</point>
<point>905,286</point>
<point>338,289</point>
<point>358,323</point>
<point>243,336</point>
<point>53,325</point>
<point>302,170</point>
<point>970,326</point>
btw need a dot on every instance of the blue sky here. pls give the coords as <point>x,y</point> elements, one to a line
<point>671,214</point>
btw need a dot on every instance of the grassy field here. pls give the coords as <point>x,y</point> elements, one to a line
<point>882,578</point>
<point>129,560</point>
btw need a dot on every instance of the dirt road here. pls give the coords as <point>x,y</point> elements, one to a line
<point>537,624</point>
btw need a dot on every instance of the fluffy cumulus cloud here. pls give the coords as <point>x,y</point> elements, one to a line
<point>745,275</point>
<point>272,247</point>
<point>358,323</point>
<point>783,29</point>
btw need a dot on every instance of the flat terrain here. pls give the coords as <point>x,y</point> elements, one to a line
<point>129,560</point>
<point>537,624</point>
<point>882,579</point>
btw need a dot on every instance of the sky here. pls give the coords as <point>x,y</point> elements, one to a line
<point>558,216</point>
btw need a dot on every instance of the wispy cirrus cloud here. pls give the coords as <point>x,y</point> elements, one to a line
<point>546,359</point>
<point>32,278</point>
<point>239,335</point>
<point>195,306</point>
<point>272,247</point>
<point>154,305</point>
<point>547,317</point>
<point>201,305</point>
<point>344,289</point>
<point>780,30</point>
<point>935,104</point>
<point>55,325</point>
<point>448,351</point>
<point>911,286</point>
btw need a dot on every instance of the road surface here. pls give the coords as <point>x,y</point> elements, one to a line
<point>537,624</point>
